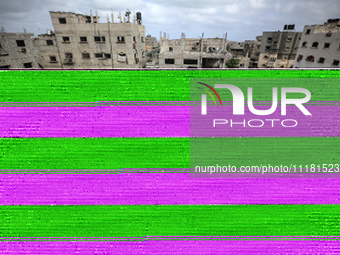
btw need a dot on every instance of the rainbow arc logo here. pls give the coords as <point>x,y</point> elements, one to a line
<point>209,93</point>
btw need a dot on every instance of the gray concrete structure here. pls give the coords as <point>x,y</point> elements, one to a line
<point>193,53</point>
<point>278,49</point>
<point>320,46</point>
<point>17,51</point>
<point>151,42</point>
<point>247,52</point>
<point>253,50</point>
<point>80,41</point>
<point>48,56</point>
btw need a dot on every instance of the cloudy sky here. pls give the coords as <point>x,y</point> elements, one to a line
<point>241,19</point>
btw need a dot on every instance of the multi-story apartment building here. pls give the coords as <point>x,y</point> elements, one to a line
<point>48,52</point>
<point>253,49</point>
<point>320,46</point>
<point>151,42</point>
<point>80,41</point>
<point>247,52</point>
<point>193,53</point>
<point>278,49</point>
<point>237,51</point>
<point>17,51</point>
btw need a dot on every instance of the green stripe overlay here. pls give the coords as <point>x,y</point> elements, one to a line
<point>134,85</point>
<point>116,153</point>
<point>169,220</point>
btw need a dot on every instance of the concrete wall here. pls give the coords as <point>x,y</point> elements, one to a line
<point>246,52</point>
<point>193,53</point>
<point>254,52</point>
<point>310,56</point>
<point>48,56</point>
<point>17,51</point>
<point>82,42</point>
<point>278,49</point>
<point>151,41</point>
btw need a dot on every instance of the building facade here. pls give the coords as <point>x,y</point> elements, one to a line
<point>193,53</point>
<point>81,42</point>
<point>17,51</point>
<point>320,46</point>
<point>278,49</point>
<point>48,56</point>
<point>247,52</point>
<point>151,42</point>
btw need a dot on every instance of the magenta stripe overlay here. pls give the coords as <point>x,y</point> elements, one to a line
<point>324,121</point>
<point>161,188</point>
<point>173,247</point>
<point>163,121</point>
<point>102,121</point>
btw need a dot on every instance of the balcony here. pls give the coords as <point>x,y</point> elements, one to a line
<point>68,61</point>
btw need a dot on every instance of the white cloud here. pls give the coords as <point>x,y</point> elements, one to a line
<point>242,19</point>
<point>259,4</point>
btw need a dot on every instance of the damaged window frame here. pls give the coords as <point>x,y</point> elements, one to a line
<point>99,39</point>
<point>321,60</point>
<point>53,59</point>
<point>98,55</point>
<point>120,39</point>
<point>62,20</point>
<point>83,39</point>
<point>190,61</point>
<point>20,43</point>
<point>66,39</point>
<point>85,55</point>
<point>315,45</point>
<point>169,61</point>
<point>69,58</point>
<point>49,42</point>
<point>28,65</point>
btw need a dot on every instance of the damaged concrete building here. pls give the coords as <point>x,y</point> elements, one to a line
<point>247,52</point>
<point>151,42</point>
<point>17,51</point>
<point>81,42</point>
<point>193,53</point>
<point>320,46</point>
<point>278,49</point>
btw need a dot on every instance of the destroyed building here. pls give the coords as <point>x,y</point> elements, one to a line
<point>17,51</point>
<point>193,53</point>
<point>278,48</point>
<point>82,42</point>
<point>320,46</point>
